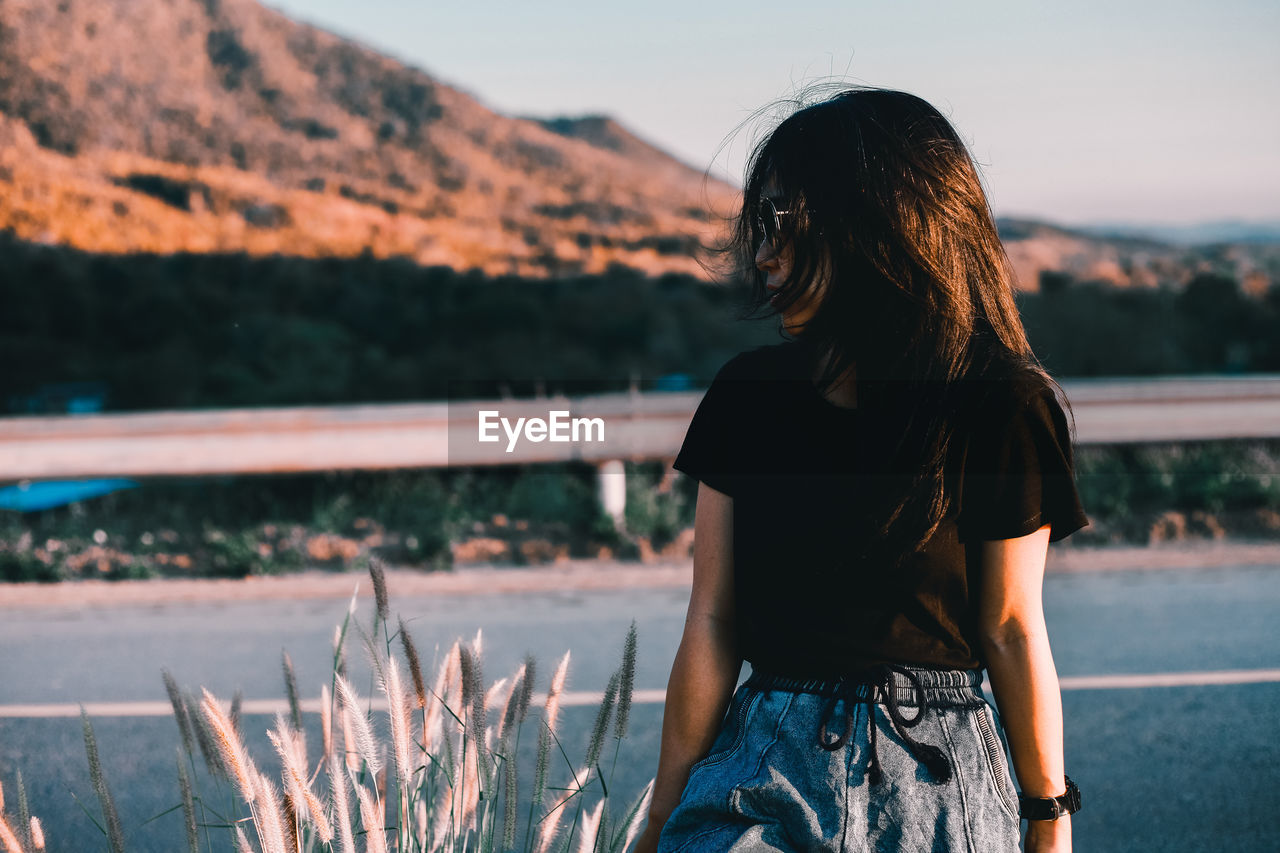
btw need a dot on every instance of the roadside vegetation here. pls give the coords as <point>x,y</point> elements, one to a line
<point>418,762</point>
<point>433,520</point>
<point>281,331</point>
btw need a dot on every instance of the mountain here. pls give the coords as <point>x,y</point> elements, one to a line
<point>222,125</point>
<point>1132,258</point>
<point>1198,233</point>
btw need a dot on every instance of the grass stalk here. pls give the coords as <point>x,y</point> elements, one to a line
<point>111,819</point>
<point>9,838</point>
<point>375,837</point>
<point>291,690</point>
<point>180,711</point>
<point>341,805</point>
<point>24,811</point>
<point>188,804</point>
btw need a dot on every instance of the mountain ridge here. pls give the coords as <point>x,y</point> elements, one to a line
<point>245,109</point>
<point>224,125</point>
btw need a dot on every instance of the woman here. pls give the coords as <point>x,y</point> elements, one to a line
<point>877,494</point>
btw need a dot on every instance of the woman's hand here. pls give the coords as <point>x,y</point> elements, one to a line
<point>1048,836</point>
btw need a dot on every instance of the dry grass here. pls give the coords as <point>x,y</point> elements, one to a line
<point>453,782</point>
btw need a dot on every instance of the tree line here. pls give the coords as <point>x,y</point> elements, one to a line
<point>217,330</point>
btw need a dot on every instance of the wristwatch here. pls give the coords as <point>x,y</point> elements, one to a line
<point>1050,808</point>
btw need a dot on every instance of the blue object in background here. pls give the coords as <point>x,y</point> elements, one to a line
<point>674,382</point>
<point>28,497</point>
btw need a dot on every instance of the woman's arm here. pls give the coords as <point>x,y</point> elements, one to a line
<point>706,667</point>
<point>1023,678</point>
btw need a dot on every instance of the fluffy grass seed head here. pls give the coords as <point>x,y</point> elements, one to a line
<point>635,815</point>
<point>511,708</point>
<point>37,833</point>
<point>398,719</point>
<point>293,760</point>
<point>350,749</point>
<point>549,827</point>
<point>24,808</point>
<point>590,829</point>
<point>365,742</point>
<point>326,721</point>
<point>551,711</point>
<point>291,689</point>
<point>526,688</point>
<point>231,751</point>
<point>207,741</point>
<point>626,688</point>
<point>510,801</point>
<point>603,715</point>
<point>237,706</point>
<point>339,651</point>
<point>8,838</point>
<point>270,819</point>
<point>341,806</point>
<point>497,691</point>
<point>415,666</point>
<point>375,836</point>
<point>289,812</point>
<point>115,832</point>
<point>188,805</point>
<point>439,699</point>
<point>473,697</point>
<point>377,572</point>
<point>180,712</point>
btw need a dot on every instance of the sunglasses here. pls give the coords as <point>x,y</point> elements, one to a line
<point>769,221</point>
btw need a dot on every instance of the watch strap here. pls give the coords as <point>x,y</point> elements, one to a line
<point>1050,808</point>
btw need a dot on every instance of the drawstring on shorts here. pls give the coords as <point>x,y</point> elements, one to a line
<point>878,684</point>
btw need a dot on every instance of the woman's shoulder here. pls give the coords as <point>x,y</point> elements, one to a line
<point>1012,399</point>
<point>768,361</point>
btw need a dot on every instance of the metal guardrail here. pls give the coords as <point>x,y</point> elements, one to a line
<point>435,435</point>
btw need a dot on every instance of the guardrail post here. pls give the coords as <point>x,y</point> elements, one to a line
<point>611,483</point>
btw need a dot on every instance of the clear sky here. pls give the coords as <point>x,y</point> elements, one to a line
<point>1122,111</point>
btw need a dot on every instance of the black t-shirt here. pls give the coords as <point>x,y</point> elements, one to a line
<point>800,471</point>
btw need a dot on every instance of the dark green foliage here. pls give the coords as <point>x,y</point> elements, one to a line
<point>166,331</point>
<point>658,506</point>
<point>17,567</point>
<point>1210,326</point>
<point>258,525</point>
<point>1119,481</point>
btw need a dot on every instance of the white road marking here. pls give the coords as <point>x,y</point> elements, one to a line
<point>640,697</point>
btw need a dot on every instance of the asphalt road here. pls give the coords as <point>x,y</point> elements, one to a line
<point>1192,767</point>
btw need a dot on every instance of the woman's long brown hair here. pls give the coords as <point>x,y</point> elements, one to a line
<point>886,203</point>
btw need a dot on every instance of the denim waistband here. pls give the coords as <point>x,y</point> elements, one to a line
<point>942,688</point>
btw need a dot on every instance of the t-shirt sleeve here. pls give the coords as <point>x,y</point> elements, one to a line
<point>1019,473</point>
<point>710,453</point>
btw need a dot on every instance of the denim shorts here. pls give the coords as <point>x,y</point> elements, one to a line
<point>797,767</point>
